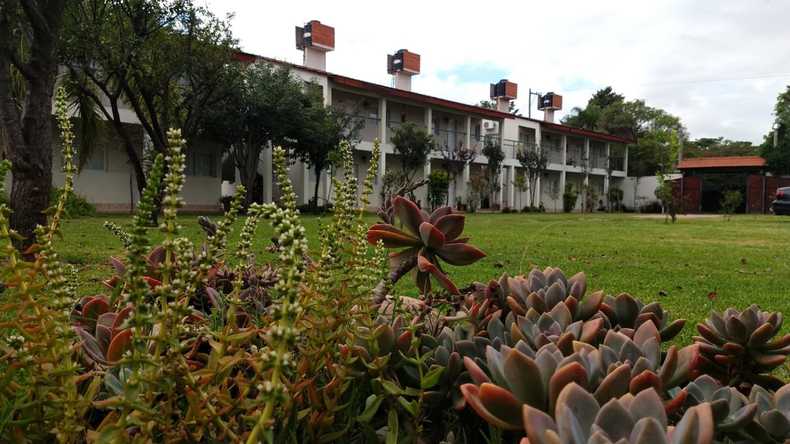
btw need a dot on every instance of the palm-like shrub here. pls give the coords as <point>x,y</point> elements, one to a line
<point>427,239</point>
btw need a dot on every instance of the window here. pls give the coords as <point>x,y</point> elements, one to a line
<point>201,164</point>
<point>96,160</point>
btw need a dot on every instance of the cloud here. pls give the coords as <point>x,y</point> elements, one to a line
<point>717,65</point>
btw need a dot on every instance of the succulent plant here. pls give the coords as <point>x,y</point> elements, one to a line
<point>427,239</point>
<point>742,347</point>
<point>631,419</point>
<point>256,284</point>
<point>627,313</point>
<point>101,331</point>
<point>761,417</point>
<point>620,365</point>
<point>544,290</point>
<point>556,326</point>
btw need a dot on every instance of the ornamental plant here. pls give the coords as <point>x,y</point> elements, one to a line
<point>427,238</point>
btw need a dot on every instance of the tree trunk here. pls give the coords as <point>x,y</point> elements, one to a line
<point>314,202</point>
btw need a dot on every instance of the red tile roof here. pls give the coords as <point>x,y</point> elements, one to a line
<point>722,162</point>
<point>423,98</point>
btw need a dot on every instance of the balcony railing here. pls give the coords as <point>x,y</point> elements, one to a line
<point>393,126</point>
<point>574,157</point>
<point>449,138</point>
<point>369,129</point>
<point>616,163</point>
<point>598,162</point>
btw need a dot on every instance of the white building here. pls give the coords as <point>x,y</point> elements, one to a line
<point>575,156</point>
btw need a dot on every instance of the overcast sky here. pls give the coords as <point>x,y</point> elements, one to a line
<point>718,65</point>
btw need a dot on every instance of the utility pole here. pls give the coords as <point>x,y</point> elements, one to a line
<point>529,100</point>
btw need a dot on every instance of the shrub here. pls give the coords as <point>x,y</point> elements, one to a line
<point>438,187</point>
<point>75,206</point>
<point>569,198</point>
<point>730,202</point>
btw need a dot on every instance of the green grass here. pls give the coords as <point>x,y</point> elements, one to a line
<point>690,267</point>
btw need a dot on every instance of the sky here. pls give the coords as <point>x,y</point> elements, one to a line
<point>718,65</point>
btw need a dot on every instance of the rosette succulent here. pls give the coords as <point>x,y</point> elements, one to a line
<point>426,240</point>
<point>743,347</point>
<point>631,419</point>
<point>514,376</point>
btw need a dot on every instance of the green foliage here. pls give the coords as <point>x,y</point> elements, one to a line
<point>652,129</point>
<point>719,146</point>
<point>569,198</point>
<point>615,198</point>
<point>492,170</point>
<point>413,145</point>
<point>534,161</point>
<point>776,147</point>
<point>76,205</point>
<point>665,193</point>
<point>730,202</point>
<point>438,187</point>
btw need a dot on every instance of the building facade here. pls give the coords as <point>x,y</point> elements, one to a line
<point>574,156</point>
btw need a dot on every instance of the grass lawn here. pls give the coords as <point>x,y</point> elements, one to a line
<point>691,267</point>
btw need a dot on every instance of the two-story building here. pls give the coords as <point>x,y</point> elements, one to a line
<point>574,155</point>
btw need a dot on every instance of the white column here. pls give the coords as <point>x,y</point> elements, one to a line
<point>266,173</point>
<point>427,168</point>
<point>625,161</point>
<point>564,151</point>
<point>511,188</point>
<point>562,186</point>
<point>382,138</point>
<point>501,187</point>
<point>306,194</point>
<point>537,193</point>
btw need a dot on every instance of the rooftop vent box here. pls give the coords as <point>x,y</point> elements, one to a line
<point>504,89</point>
<point>550,101</point>
<point>316,35</point>
<point>403,61</point>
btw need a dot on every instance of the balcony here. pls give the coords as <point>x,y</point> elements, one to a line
<point>617,163</point>
<point>393,126</point>
<point>598,162</point>
<point>574,157</point>
<point>449,139</point>
<point>368,129</point>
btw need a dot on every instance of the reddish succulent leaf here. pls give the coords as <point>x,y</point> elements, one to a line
<point>107,319</point>
<point>689,361</point>
<point>709,334</point>
<point>93,308</point>
<point>452,225</point>
<point>614,385</point>
<point>615,420</point>
<point>494,404</point>
<point>591,331</point>
<point>696,426</point>
<point>118,266</point>
<point>404,259</point>
<point>674,404</point>
<point>153,283</point>
<point>475,372</point>
<point>121,317</point>
<point>392,239</point>
<point>426,266</point>
<point>644,381</point>
<point>761,335</point>
<point>460,254</point>
<point>646,331</point>
<point>439,213</point>
<point>538,425</point>
<point>103,336</point>
<point>120,343</point>
<point>580,404</point>
<point>431,236</point>
<point>573,372</point>
<point>157,256</point>
<point>90,345</point>
<point>672,330</point>
<point>524,379</point>
<point>410,216</point>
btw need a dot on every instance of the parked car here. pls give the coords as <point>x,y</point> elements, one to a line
<point>781,205</point>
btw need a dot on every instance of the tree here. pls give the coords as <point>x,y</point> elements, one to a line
<point>534,161</point>
<point>318,140</point>
<point>495,155</point>
<point>521,184</point>
<point>262,104</point>
<point>168,60</point>
<point>649,127</point>
<point>776,146</point>
<point>413,145</point>
<point>438,183</point>
<point>491,104</point>
<point>456,159</point>
<point>719,146</point>
<point>30,36</point>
